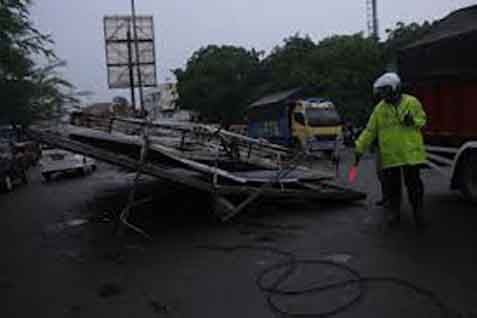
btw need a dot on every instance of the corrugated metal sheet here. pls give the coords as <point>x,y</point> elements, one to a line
<point>457,23</point>
<point>275,98</point>
<point>449,50</point>
<point>441,68</point>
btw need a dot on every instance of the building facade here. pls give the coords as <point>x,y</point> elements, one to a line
<point>161,99</point>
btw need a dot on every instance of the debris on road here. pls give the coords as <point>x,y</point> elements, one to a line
<point>235,170</point>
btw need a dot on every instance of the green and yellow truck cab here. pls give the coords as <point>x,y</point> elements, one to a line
<point>316,124</point>
<point>290,119</point>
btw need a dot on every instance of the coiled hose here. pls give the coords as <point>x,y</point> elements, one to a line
<point>289,265</point>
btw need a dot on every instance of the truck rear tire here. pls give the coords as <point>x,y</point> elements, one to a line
<point>469,177</point>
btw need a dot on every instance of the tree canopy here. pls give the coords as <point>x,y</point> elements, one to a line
<point>287,66</point>
<point>402,35</point>
<point>220,81</point>
<point>26,90</point>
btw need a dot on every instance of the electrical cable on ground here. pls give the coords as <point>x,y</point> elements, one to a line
<point>286,268</point>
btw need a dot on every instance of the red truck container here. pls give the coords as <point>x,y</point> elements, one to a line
<point>441,70</point>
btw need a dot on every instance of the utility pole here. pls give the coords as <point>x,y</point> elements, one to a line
<point>137,55</point>
<point>372,15</point>
<point>131,68</point>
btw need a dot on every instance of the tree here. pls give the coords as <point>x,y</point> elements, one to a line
<point>287,66</point>
<point>26,91</point>
<point>221,81</point>
<point>402,35</point>
<point>346,66</point>
<point>217,82</point>
<point>51,92</point>
<point>341,68</point>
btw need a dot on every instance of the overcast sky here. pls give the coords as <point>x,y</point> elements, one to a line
<point>182,26</point>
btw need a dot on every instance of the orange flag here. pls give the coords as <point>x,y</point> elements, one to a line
<point>352,174</point>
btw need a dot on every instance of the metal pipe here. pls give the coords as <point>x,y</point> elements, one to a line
<point>138,59</point>
<point>375,20</point>
<point>131,70</point>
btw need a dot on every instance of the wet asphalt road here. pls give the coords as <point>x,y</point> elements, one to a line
<point>52,268</point>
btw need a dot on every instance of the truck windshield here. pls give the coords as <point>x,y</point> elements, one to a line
<point>322,117</point>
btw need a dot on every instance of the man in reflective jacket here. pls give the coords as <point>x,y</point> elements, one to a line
<point>396,124</point>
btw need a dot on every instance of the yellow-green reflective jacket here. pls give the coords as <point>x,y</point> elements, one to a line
<point>398,144</point>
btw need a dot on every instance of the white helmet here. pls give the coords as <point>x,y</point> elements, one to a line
<point>388,79</point>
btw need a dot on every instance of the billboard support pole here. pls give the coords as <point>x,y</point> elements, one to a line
<point>131,70</point>
<point>138,61</point>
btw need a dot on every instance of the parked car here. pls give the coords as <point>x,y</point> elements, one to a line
<point>60,162</point>
<point>12,169</point>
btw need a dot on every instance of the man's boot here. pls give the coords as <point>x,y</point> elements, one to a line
<point>417,209</point>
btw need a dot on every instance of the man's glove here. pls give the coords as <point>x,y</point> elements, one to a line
<point>357,158</point>
<point>408,120</point>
